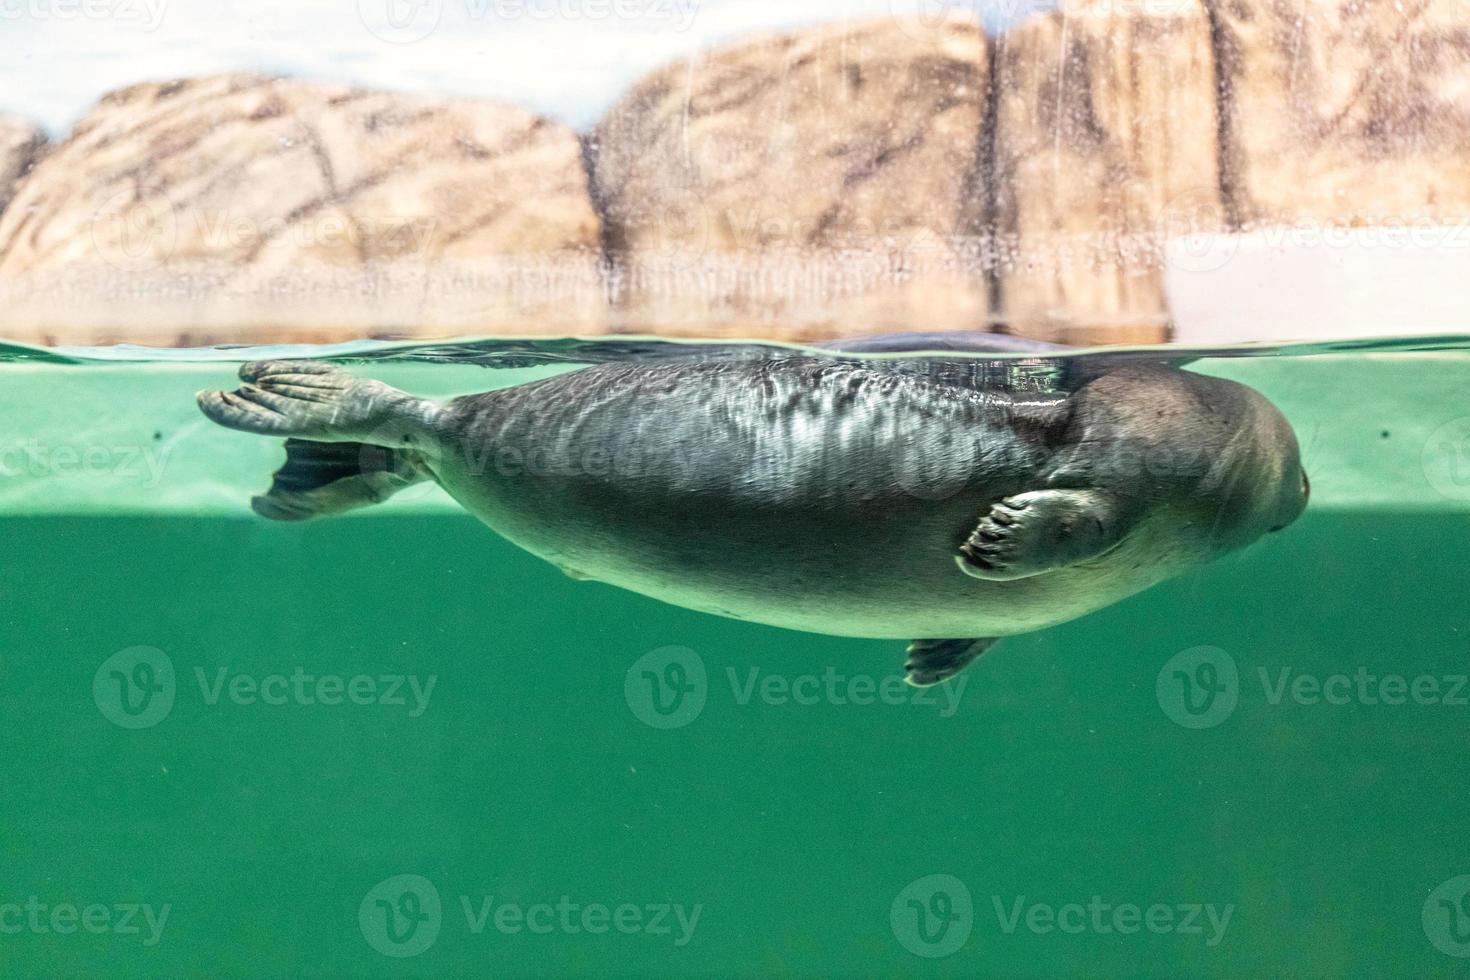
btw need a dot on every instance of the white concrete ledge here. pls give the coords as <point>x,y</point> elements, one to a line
<point>1311,281</point>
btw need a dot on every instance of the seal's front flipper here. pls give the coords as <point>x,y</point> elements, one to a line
<point>1038,531</point>
<point>314,401</point>
<point>933,661</point>
<point>322,478</point>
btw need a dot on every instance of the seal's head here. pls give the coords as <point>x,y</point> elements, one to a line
<point>1251,478</point>
<point>1220,463</point>
<point>1257,485</point>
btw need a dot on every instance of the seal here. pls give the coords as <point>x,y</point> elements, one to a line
<point>945,499</point>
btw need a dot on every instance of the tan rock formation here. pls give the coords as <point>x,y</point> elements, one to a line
<point>20,141</point>
<point>235,203</point>
<point>1104,147</point>
<point>801,185</point>
<point>1348,111</point>
<point>836,180</point>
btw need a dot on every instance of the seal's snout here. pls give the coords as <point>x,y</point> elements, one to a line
<point>1299,505</point>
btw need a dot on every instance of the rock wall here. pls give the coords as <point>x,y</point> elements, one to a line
<point>1105,145</point>
<point>811,184</point>
<point>842,179</point>
<point>264,205</point>
<point>1347,111</point>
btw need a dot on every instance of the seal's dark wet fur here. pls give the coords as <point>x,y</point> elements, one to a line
<point>930,498</point>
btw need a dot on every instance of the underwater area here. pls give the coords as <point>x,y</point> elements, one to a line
<point>394,744</point>
<point>879,489</point>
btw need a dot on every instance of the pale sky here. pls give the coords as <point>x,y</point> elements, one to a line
<point>566,58</point>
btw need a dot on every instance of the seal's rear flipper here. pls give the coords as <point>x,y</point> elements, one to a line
<point>314,401</point>
<point>933,661</point>
<point>323,478</point>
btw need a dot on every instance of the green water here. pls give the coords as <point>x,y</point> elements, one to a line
<point>509,738</point>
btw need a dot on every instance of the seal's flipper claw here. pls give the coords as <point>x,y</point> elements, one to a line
<point>933,661</point>
<point>320,478</point>
<point>1042,530</point>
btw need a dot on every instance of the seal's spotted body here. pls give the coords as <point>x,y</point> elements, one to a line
<point>832,496</point>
